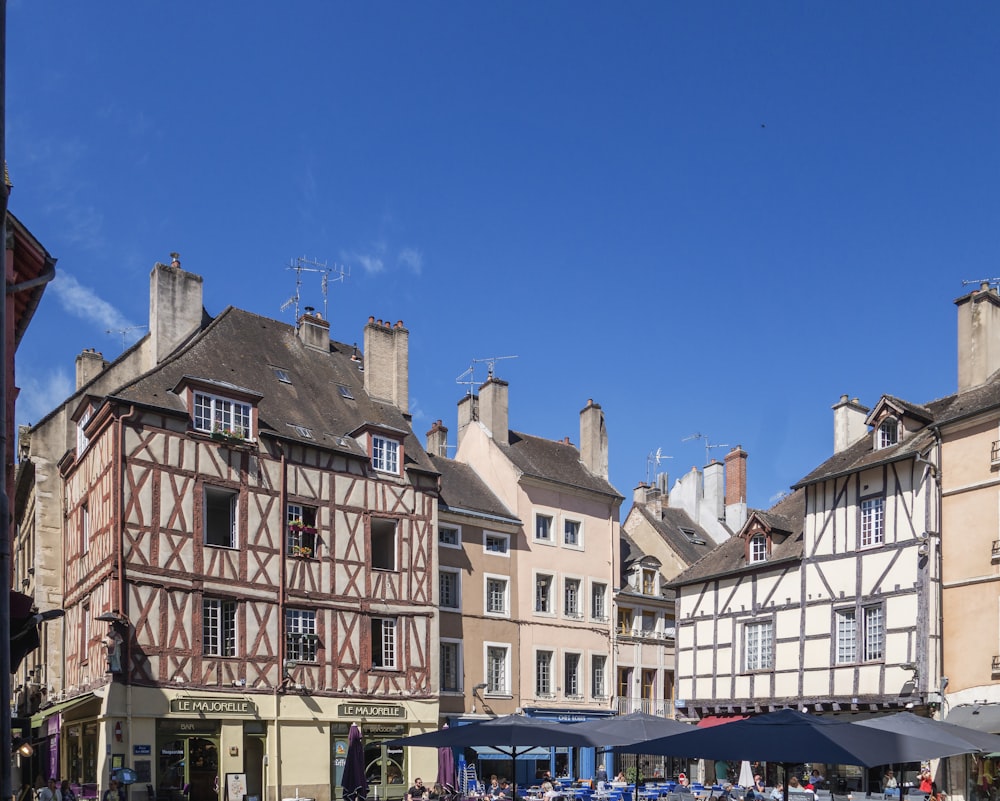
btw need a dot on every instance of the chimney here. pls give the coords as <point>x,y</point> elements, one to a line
<point>493,408</point>
<point>89,365</point>
<point>468,411</point>
<point>736,488</point>
<point>594,439</point>
<point>848,423</point>
<point>437,440</point>
<point>978,336</point>
<point>314,331</point>
<point>387,362</point>
<point>175,307</point>
<point>650,497</point>
<point>714,489</point>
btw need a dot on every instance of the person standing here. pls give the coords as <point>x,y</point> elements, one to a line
<point>114,792</point>
<point>66,791</point>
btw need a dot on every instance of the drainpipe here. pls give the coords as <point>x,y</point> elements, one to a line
<point>120,464</point>
<point>280,687</point>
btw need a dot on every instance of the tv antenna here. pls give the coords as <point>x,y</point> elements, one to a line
<point>468,377</point>
<point>708,446</point>
<point>304,265</point>
<point>981,281</point>
<point>654,458</point>
<point>124,331</point>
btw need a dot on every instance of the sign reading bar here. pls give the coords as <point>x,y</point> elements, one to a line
<point>213,706</point>
<point>371,711</point>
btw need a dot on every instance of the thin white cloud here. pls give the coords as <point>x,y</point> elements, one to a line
<point>372,261</point>
<point>40,395</point>
<point>84,303</point>
<point>412,259</point>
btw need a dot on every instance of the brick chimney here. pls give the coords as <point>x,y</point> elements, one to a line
<point>175,308</point>
<point>89,365</point>
<point>978,336</point>
<point>493,408</point>
<point>736,488</point>
<point>314,331</point>
<point>594,439</point>
<point>387,362</point>
<point>848,423</point>
<point>437,440</point>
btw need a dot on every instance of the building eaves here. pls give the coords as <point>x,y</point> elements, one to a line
<point>464,492</point>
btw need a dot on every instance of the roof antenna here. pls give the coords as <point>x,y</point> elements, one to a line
<point>124,331</point>
<point>657,458</point>
<point>304,265</point>
<point>471,371</point>
<point>708,447</point>
<point>983,282</point>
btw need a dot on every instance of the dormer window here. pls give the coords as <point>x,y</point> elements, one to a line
<point>887,433</point>
<point>758,548</point>
<point>217,414</point>
<point>385,454</point>
<point>648,582</point>
<point>81,438</point>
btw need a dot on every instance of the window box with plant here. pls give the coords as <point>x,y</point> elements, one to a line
<point>301,538</point>
<point>301,551</point>
<point>226,434</point>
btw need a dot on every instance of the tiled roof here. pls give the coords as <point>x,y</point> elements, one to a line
<point>462,490</point>
<point>553,461</point>
<point>671,526</point>
<point>242,349</point>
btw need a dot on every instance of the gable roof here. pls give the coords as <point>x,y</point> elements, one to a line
<point>553,461</point>
<point>672,525</point>
<point>240,349</point>
<point>464,492</point>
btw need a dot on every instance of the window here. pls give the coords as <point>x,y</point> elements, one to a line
<point>847,637</point>
<point>345,392</point>
<point>872,522</point>
<point>497,672</point>
<point>625,682</point>
<point>887,434</point>
<point>450,536</point>
<point>218,414</point>
<point>84,527</point>
<point>543,593</point>
<point>758,548</point>
<point>383,555</point>
<point>598,608</point>
<point>301,537</point>
<point>571,532</point>
<point>625,619</point>
<point>571,685</point>
<point>648,684</point>
<point>384,643</point>
<point>759,645</point>
<point>385,454</point>
<point>449,588</point>
<point>81,439</point>
<point>220,517</point>
<point>85,632</point>
<point>874,633</point>
<point>873,646</point>
<point>496,596</point>
<point>648,582</point>
<point>282,375</point>
<point>649,624</point>
<point>301,642</point>
<point>496,543</point>
<point>218,627</point>
<point>598,676</point>
<point>543,528</point>
<point>451,666</point>
<point>571,602</point>
<point>543,673</point>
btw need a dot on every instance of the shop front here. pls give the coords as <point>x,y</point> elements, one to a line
<point>385,766</point>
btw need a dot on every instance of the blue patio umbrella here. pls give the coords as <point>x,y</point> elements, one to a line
<point>353,781</point>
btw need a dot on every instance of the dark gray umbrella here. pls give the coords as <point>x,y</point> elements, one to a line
<point>939,731</point>
<point>353,781</point>
<point>634,727</point>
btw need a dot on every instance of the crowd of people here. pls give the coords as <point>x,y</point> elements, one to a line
<point>54,790</point>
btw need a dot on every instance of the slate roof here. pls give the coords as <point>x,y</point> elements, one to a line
<point>241,349</point>
<point>464,492</point>
<point>670,526</point>
<point>786,516</point>
<point>553,461</point>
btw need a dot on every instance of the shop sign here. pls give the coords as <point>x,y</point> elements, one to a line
<point>213,706</point>
<point>181,726</point>
<point>371,711</point>
<point>371,729</point>
<point>142,750</point>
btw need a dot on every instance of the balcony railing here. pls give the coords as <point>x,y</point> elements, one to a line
<point>651,706</point>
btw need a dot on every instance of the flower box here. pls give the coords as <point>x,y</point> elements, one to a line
<point>301,551</point>
<point>228,435</point>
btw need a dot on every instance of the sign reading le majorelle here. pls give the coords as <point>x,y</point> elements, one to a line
<point>371,711</point>
<point>213,706</point>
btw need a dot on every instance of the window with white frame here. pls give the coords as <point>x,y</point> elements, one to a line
<point>543,527</point>
<point>872,522</point>
<point>847,637</point>
<point>212,413</point>
<point>301,537</point>
<point>497,596</point>
<point>648,581</point>
<point>571,680</point>
<point>649,624</point>
<point>384,643</point>
<point>450,536</point>
<point>543,593</point>
<point>758,548</point>
<point>451,666</point>
<point>598,676</point>
<point>301,642</point>
<point>218,627</point>
<point>874,618</point>
<point>383,538</point>
<point>220,517</point>
<point>872,632</point>
<point>887,434</point>
<point>81,438</point>
<point>759,642</point>
<point>543,673</point>
<point>598,602</point>
<point>497,669</point>
<point>496,543</point>
<point>385,454</point>
<point>571,532</point>
<point>571,600</point>
<point>449,588</point>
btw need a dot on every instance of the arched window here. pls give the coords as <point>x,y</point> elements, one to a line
<point>888,433</point>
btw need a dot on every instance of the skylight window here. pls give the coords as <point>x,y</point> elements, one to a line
<point>302,431</point>
<point>345,392</point>
<point>282,375</point>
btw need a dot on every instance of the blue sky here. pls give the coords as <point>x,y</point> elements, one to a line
<point>709,217</point>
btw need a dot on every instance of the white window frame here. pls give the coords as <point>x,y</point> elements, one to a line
<point>599,588</point>
<point>846,630</point>
<point>300,543</point>
<point>383,524</point>
<point>871,526</point>
<point>873,618</point>
<point>573,611</point>
<point>887,433</point>
<point>219,413</point>
<point>578,545</point>
<point>553,587</point>
<point>653,575</point>
<point>758,645</point>
<point>505,580</point>
<point>456,575</point>
<point>457,544</point>
<point>644,615</point>
<point>459,666</point>
<point>538,517</point>
<point>572,681</point>
<point>493,687</point>
<point>598,675</point>
<point>301,643</point>
<point>81,439</point>
<point>218,627</point>
<point>388,643</point>
<point>544,684</point>
<point>385,454</point>
<point>758,548</point>
<point>234,515</point>
<point>500,537</point>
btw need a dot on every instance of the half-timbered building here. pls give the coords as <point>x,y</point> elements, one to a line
<point>243,527</point>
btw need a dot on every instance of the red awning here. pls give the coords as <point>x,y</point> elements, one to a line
<point>715,720</point>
